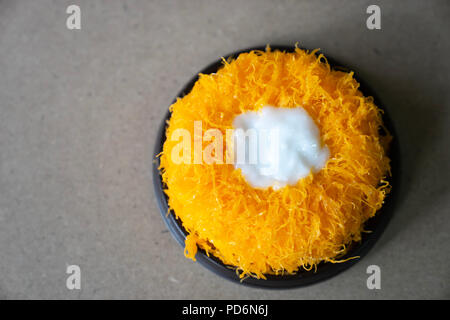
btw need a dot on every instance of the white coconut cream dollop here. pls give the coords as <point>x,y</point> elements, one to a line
<point>287,146</point>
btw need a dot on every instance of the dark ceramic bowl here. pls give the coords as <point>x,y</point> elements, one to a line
<point>324,271</point>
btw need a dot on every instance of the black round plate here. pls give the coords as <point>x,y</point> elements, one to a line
<point>377,224</point>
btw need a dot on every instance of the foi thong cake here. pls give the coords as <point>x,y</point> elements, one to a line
<point>322,181</point>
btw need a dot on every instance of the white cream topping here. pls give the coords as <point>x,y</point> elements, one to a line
<point>287,148</point>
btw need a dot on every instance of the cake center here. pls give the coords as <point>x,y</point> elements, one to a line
<point>275,147</point>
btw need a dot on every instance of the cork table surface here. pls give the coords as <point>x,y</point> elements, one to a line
<point>79,112</point>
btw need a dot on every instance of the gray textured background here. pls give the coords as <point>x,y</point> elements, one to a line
<point>80,110</point>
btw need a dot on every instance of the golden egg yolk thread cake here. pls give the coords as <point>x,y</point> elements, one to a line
<point>266,231</point>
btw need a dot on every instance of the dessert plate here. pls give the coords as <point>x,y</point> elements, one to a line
<point>376,225</point>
